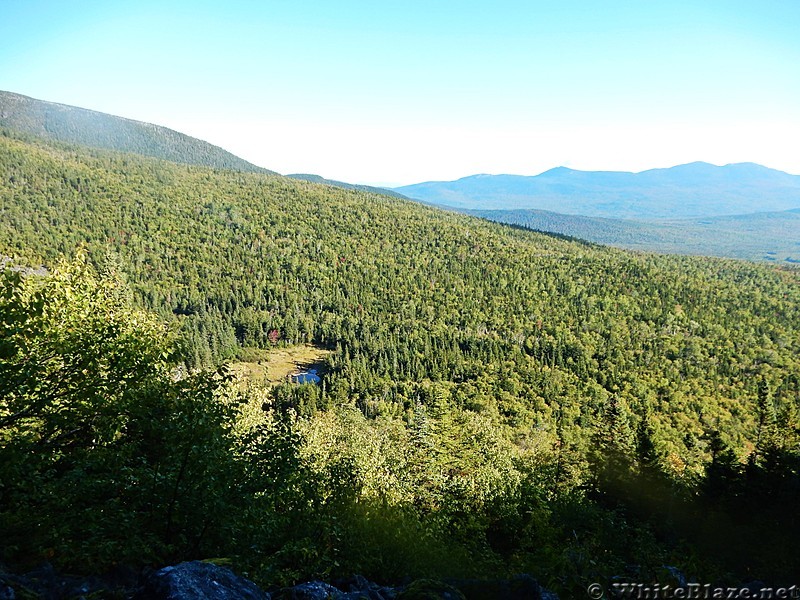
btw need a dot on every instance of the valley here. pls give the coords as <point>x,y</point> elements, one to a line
<point>773,237</point>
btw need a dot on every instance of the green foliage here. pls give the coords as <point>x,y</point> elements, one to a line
<point>106,457</point>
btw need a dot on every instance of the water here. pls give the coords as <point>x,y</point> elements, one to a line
<point>309,376</point>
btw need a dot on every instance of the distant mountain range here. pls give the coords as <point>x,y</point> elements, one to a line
<point>685,209</point>
<point>686,191</point>
<point>73,125</point>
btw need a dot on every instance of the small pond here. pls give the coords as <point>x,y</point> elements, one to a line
<point>307,376</point>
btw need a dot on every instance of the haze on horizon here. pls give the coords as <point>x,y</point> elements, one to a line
<point>400,93</point>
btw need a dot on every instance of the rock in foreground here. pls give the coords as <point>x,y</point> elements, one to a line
<point>198,581</point>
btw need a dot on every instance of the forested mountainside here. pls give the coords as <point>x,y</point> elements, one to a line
<point>347,186</point>
<point>64,123</point>
<point>770,236</point>
<point>496,400</point>
<point>687,191</point>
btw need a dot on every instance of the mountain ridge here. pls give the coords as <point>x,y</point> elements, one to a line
<point>311,178</point>
<point>689,190</point>
<point>773,237</point>
<point>86,127</point>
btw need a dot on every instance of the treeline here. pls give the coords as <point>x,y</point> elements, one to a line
<point>545,402</point>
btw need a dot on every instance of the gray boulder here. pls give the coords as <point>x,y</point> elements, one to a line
<point>198,581</point>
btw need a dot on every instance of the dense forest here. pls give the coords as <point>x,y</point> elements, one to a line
<point>495,401</point>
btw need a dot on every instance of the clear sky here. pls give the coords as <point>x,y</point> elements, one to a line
<point>395,92</point>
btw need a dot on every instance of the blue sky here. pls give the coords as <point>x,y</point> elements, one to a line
<point>400,92</point>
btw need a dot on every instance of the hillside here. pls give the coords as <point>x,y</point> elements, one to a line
<point>495,400</point>
<point>346,186</point>
<point>74,125</point>
<point>760,236</point>
<point>687,191</point>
